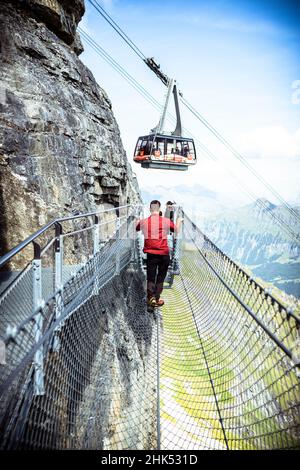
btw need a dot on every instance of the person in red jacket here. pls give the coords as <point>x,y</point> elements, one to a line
<point>155,229</point>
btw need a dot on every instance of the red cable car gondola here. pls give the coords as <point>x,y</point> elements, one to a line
<point>166,151</point>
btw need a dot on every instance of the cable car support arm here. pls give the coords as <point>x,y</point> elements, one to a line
<point>159,129</point>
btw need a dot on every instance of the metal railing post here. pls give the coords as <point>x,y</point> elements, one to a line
<point>58,256</point>
<point>134,235</point>
<point>59,244</point>
<point>138,251</point>
<point>96,234</point>
<point>39,386</point>
<point>118,225</point>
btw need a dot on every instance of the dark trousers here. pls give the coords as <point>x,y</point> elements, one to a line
<point>157,268</point>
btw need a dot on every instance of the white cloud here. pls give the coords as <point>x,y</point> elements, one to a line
<point>275,149</point>
<point>270,142</point>
<point>230,21</point>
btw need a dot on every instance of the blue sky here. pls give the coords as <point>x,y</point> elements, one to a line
<point>236,62</point>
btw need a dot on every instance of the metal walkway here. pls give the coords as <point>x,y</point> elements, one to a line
<point>80,353</point>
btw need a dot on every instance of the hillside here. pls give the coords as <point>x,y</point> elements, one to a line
<point>249,236</point>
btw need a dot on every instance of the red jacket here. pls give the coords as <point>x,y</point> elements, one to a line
<point>155,229</point>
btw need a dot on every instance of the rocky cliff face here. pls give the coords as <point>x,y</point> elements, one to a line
<point>60,145</point>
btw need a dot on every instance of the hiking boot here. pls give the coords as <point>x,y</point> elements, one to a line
<point>160,303</point>
<point>151,301</point>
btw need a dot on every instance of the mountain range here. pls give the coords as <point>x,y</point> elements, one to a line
<point>261,236</point>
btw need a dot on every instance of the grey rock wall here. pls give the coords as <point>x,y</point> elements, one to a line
<point>60,16</point>
<point>60,146</point>
<point>60,152</point>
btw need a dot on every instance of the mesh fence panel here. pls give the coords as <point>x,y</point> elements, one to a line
<point>225,382</point>
<point>48,271</point>
<point>16,301</point>
<point>99,362</point>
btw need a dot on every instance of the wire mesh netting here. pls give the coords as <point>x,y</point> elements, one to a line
<point>82,370</point>
<point>227,378</point>
<point>88,380</point>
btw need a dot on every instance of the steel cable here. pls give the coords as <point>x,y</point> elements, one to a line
<point>280,221</point>
<point>211,128</point>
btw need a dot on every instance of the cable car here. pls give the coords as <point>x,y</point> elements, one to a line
<point>166,151</point>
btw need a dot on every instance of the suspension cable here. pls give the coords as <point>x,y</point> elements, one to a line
<point>129,78</point>
<point>117,28</point>
<point>138,87</point>
<point>163,77</point>
<point>214,131</point>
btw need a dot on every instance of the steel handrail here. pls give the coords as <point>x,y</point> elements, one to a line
<point>14,251</point>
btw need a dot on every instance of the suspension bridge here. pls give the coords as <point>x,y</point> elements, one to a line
<point>86,366</point>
